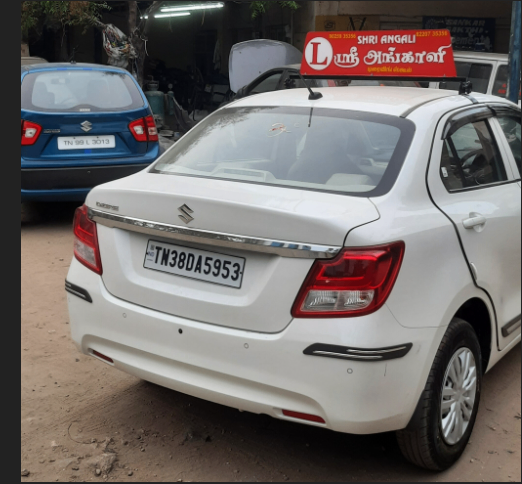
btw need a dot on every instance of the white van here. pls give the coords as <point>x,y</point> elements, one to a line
<point>487,72</point>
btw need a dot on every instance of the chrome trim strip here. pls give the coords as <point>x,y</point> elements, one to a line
<point>216,239</point>
<point>357,357</point>
<point>77,291</point>
<point>511,327</point>
<point>377,352</point>
<point>358,354</point>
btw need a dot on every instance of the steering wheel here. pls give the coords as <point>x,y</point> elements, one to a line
<point>467,156</point>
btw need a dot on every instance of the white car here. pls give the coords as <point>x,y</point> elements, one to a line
<point>352,263</point>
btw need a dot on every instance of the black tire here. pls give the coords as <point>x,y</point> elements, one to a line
<point>422,442</point>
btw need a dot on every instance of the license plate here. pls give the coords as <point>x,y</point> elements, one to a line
<point>197,264</point>
<point>86,142</point>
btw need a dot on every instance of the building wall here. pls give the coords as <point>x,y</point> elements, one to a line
<point>304,22</point>
<point>408,14</point>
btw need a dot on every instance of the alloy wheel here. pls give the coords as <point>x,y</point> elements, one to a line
<point>458,396</point>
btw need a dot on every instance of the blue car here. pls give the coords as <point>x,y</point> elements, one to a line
<point>81,125</point>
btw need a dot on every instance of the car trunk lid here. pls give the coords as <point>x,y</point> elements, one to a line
<point>251,58</point>
<point>285,221</point>
<point>63,135</point>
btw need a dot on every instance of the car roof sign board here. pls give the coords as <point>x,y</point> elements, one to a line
<point>383,53</point>
<point>250,59</point>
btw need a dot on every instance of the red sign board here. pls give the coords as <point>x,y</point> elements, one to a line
<point>382,53</point>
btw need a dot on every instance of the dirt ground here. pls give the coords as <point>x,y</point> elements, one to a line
<point>84,421</point>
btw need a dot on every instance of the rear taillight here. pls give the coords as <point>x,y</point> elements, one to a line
<point>357,282</point>
<point>152,131</point>
<point>138,129</point>
<point>30,132</point>
<point>86,248</point>
<point>144,129</point>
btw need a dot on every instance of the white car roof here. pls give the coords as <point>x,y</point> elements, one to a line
<point>395,101</point>
<point>381,99</point>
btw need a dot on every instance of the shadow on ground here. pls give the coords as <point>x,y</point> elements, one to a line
<point>212,442</point>
<point>48,213</point>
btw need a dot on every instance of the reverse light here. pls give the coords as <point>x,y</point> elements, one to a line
<point>356,283</point>
<point>30,132</point>
<point>86,248</point>
<point>144,129</point>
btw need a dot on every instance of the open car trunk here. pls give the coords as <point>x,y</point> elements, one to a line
<point>250,59</point>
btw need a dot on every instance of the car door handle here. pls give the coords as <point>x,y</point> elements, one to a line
<point>474,220</point>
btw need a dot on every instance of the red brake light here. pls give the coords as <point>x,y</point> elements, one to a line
<point>152,131</point>
<point>138,129</point>
<point>86,248</point>
<point>357,282</point>
<point>30,132</point>
<point>144,129</point>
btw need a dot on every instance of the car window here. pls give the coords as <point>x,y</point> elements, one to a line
<point>267,85</point>
<point>478,74</point>
<point>471,158</point>
<point>295,82</point>
<point>79,90</point>
<point>327,150</point>
<point>500,84</point>
<point>511,128</point>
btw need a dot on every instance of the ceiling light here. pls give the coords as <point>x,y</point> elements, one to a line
<point>179,14</point>
<point>193,7</point>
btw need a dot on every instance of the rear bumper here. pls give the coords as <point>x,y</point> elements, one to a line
<point>70,183</point>
<point>261,373</point>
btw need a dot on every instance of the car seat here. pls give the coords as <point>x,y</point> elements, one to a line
<point>451,177</point>
<point>42,98</point>
<point>326,152</point>
<point>98,93</point>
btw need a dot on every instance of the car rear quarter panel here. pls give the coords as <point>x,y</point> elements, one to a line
<point>434,280</point>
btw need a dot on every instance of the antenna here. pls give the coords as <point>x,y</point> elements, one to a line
<point>314,96</point>
<point>72,59</point>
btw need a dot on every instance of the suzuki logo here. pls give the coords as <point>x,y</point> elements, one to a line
<point>186,211</point>
<point>86,126</point>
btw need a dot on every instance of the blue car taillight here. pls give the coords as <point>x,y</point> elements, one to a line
<point>144,129</point>
<point>30,132</point>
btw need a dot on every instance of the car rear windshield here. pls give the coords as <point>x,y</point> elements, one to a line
<point>76,90</point>
<point>320,149</point>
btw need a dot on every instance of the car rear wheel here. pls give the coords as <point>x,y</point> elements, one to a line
<point>443,421</point>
